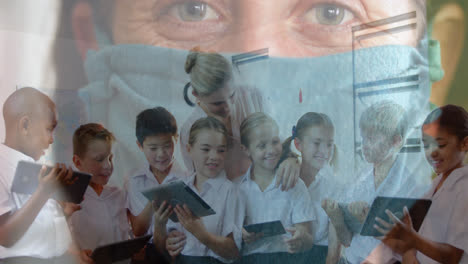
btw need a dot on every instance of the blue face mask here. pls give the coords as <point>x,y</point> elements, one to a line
<point>126,79</point>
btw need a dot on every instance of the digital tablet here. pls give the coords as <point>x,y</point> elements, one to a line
<point>26,182</point>
<point>268,229</point>
<point>417,208</point>
<point>119,251</point>
<point>178,193</point>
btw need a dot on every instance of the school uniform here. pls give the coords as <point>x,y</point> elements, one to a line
<point>48,237</point>
<point>102,219</point>
<point>222,196</point>
<point>144,179</point>
<point>290,207</point>
<point>136,201</point>
<point>445,221</point>
<point>246,102</point>
<point>325,186</point>
<point>398,183</point>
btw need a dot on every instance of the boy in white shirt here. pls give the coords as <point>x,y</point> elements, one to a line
<point>156,132</point>
<point>384,127</point>
<point>33,228</point>
<point>103,218</point>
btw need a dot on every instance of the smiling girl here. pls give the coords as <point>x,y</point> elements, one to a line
<point>313,136</point>
<point>212,81</point>
<point>266,202</point>
<point>443,236</point>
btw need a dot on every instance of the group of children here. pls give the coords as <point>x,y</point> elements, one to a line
<point>233,160</point>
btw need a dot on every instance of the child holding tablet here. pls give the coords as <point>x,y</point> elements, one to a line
<point>313,137</point>
<point>156,133</point>
<point>266,202</point>
<point>33,228</point>
<point>384,127</point>
<point>215,238</point>
<point>103,218</point>
<point>443,235</point>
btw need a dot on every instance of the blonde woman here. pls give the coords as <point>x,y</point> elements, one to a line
<point>217,95</point>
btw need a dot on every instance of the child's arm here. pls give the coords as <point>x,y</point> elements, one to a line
<point>141,222</point>
<point>225,247</point>
<point>335,214</point>
<point>334,246</point>
<point>404,231</point>
<point>301,239</point>
<point>440,252</point>
<point>161,216</point>
<point>288,173</point>
<point>14,226</point>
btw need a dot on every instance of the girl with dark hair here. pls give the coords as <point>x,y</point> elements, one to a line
<point>443,236</point>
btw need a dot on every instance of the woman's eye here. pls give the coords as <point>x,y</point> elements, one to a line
<point>329,14</point>
<point>193,11</point>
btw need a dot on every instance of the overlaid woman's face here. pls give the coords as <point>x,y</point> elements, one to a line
<point>293,28</point>
<point>218,103</point>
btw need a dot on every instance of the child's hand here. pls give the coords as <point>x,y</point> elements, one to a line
<point>250,237</point>
<point>410,257</point>
<point>399,235</point>
<point>288,174</point>
<point>190,222</point>
<point>85,256</point>
<point>337,219</point>
<point>69,208</point>
<point>50,183</point>
<point>359,210</point>
<point>175,242</point>
<point>299,240</point>
<point>161,214</point>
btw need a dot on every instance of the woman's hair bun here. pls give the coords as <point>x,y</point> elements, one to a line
<point>191,61</point>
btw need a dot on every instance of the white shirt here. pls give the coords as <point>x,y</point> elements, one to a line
<point>144,179</point>
<point>222,196</point>
<point>290,207</point>
<point>445,221</point>
<point>247,101</point>
<point>398,183</point>
<point>102,219</point>
<point>48,236</point>
<point>325,186</point>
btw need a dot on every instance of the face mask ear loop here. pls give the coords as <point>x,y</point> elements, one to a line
<point>100,29</point>
<point>186,98</point>
<point>436,73</point>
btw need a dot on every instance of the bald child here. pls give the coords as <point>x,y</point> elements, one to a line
<point>33,228</point>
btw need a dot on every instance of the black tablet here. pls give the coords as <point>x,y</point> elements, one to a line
<point>119,251</point>
<point>178,193</point>
<point>268,229</point>
<point>26,182</point>
<point>417,208</point>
